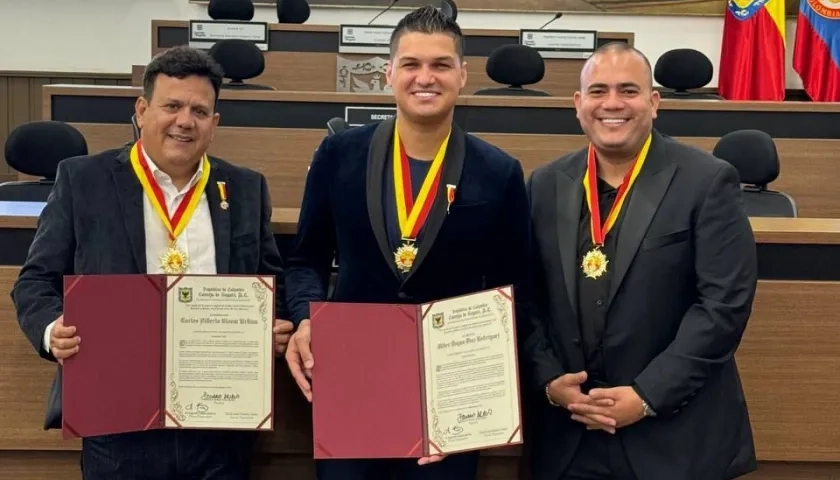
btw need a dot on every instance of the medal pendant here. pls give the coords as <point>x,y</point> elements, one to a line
<point>404,256</point>
<point>594,263</point>
<point>174,261</point>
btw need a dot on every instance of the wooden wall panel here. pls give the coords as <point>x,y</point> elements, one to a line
<point>20,100</point>
<point>283,155</point>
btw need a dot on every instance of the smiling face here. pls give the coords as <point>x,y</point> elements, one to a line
<point>617,104</point>
<point>178,121</point>
<point>426,74</point>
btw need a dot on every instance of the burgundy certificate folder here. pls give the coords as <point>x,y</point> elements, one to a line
<point>407,381</point>
<point>137,330</point>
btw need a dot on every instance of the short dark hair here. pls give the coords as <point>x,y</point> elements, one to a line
<point>182,62</point>
<point>428,20</point>
<point>622,47</point>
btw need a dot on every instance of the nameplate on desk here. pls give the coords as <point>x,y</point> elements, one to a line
<point>572,44</point>
<point>365,39</point>
<point>205,33</point>
<point>358,116</point>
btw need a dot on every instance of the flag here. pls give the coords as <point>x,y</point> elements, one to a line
<point>752,56</point>
<point>816,50</point>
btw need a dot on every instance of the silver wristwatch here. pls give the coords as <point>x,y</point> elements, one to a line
<point>647,411</point>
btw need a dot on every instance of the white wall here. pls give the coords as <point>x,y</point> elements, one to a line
<point>109,36</point>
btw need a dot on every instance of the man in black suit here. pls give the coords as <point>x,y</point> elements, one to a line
<point>644,274</point>
<point>475,236</point>
<point>101,219</point>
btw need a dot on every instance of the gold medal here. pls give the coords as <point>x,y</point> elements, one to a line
<point>174,261</point>
<point>594,263</point>
<point>412,215</point>
<point>404,256</point>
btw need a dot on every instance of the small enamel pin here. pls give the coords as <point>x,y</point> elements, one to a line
<point>223,195</point>
<point>450,196</point>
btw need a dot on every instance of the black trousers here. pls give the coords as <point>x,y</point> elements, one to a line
<point>600,456</point>
<point>462,466</point>
<point>168,455</point>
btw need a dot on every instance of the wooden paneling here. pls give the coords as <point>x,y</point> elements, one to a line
<point>787,367</point>
<point>806,164</point>
<point>317,71</point>
<point>21,101</point>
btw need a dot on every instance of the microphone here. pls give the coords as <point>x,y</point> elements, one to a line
<point>393,2</point>
<point>556,16</point>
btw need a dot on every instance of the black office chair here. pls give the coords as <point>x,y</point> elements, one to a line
<point>293,11</point>
<point>35,149</point>
<point>515,66</point>
<point>242,10</point>
<point>753,153</point>
<point>681,70</point>
<point>449,9</point>
<point>336,125</point>
<point>241,60</point>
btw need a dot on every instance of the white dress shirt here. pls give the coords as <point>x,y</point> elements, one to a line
<point>196,240</point>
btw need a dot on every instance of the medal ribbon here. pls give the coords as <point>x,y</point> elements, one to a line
<point>590,184</point>
<point>413,215</point>
<point>188,204</point>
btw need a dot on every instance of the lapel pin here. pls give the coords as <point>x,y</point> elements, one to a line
<point>450,196</point>
<point>223,195</point>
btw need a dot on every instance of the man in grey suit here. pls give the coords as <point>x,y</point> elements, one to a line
<point>644,279</point>
<point>128,210</point>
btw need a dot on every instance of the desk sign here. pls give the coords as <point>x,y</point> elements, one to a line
<point>358,116</point>
<point>365,39</point>
<point>560,43</point>
<point>205,33</point>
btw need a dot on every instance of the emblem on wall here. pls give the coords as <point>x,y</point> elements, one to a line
<point>361,75</point>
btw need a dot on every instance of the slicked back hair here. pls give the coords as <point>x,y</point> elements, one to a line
<point>182,62</point>
<point>620,47</point>
<point>428,20</point>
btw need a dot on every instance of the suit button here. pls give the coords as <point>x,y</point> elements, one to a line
<point>402,296</point>
<point>576,341</point>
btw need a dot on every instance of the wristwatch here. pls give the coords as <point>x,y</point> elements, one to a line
<point>647,411</point>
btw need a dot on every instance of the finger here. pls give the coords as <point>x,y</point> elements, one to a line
<point>600,393</point>
<point>591,422</point>
<point>430,459</point>
<point>600,427</point>
<point>60,331</point>
<point>294,362</point>
<point>283,326</point>
<point>65,353</point>
<point>282,339</point>
<point>302,343</point>
<point>589,409</point>
<point>604,402</point>
<point>574,378</point>
<point>65,343</point>
<point>279,348</point>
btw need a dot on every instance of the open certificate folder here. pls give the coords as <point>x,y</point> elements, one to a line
<point>394,381</point>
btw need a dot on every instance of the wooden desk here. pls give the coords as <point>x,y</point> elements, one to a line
<point>788,361</point>
<point>277,132</point>
<point>304,57</point>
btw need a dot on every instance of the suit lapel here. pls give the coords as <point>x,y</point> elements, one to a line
<point>453,165</point>
<point>220,217</point>
<point>645,197</point>
<point>130,194</point>
<point>569,203</point>
<point>377,156</point>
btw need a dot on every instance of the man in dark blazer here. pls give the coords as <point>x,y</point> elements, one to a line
<point>645,272</point>
<point>100,219</point>
<point>476,235</point>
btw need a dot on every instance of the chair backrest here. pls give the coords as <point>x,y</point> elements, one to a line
<point>336,125</point>
<point>515,66</point>
<point>241,60</point>
<point>753,153</point>
<point>681,70</point>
